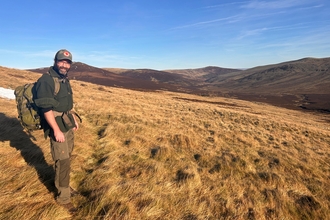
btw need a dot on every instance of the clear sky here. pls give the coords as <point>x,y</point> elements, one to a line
<point>164,34</point>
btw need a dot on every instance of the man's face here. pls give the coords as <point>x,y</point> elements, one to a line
<point>63,66</point>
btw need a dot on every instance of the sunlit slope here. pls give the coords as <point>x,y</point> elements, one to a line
<point>165,155</point>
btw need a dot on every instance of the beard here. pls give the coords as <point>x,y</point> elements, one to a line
<point>62,69</point>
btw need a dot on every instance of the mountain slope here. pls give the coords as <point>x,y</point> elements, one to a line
<point>204,74</point>
<point>307,75</point>
<point>301,84</point>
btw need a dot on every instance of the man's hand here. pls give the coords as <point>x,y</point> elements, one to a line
<point>59,136</point>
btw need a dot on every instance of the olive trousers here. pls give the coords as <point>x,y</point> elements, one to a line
<point>61,153</point>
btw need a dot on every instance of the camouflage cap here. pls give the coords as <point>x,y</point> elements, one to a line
<point>63,55</point>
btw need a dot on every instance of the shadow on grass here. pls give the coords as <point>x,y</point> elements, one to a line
<point>12,131</point>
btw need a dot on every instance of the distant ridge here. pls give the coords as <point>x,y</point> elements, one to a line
<point>83,72</point>
<point>298,84</point>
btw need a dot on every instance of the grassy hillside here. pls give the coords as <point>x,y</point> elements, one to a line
<point>304,76</point>
<point>142,155</point>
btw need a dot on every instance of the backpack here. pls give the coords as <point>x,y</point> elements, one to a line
<point>28,112</point>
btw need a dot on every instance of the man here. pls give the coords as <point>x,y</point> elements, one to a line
<point>59,122</point>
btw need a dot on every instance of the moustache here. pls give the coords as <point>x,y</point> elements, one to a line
<point>62,68</point>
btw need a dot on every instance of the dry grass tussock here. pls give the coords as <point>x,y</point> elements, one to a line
<point>165,155</point>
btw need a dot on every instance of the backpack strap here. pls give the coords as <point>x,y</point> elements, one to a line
<point>56,83</point>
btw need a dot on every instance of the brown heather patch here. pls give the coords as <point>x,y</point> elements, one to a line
<point>163,155</point>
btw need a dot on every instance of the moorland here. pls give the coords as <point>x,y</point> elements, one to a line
<point>155,146</point>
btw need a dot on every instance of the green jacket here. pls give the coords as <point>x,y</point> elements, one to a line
<point>61,103</point>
